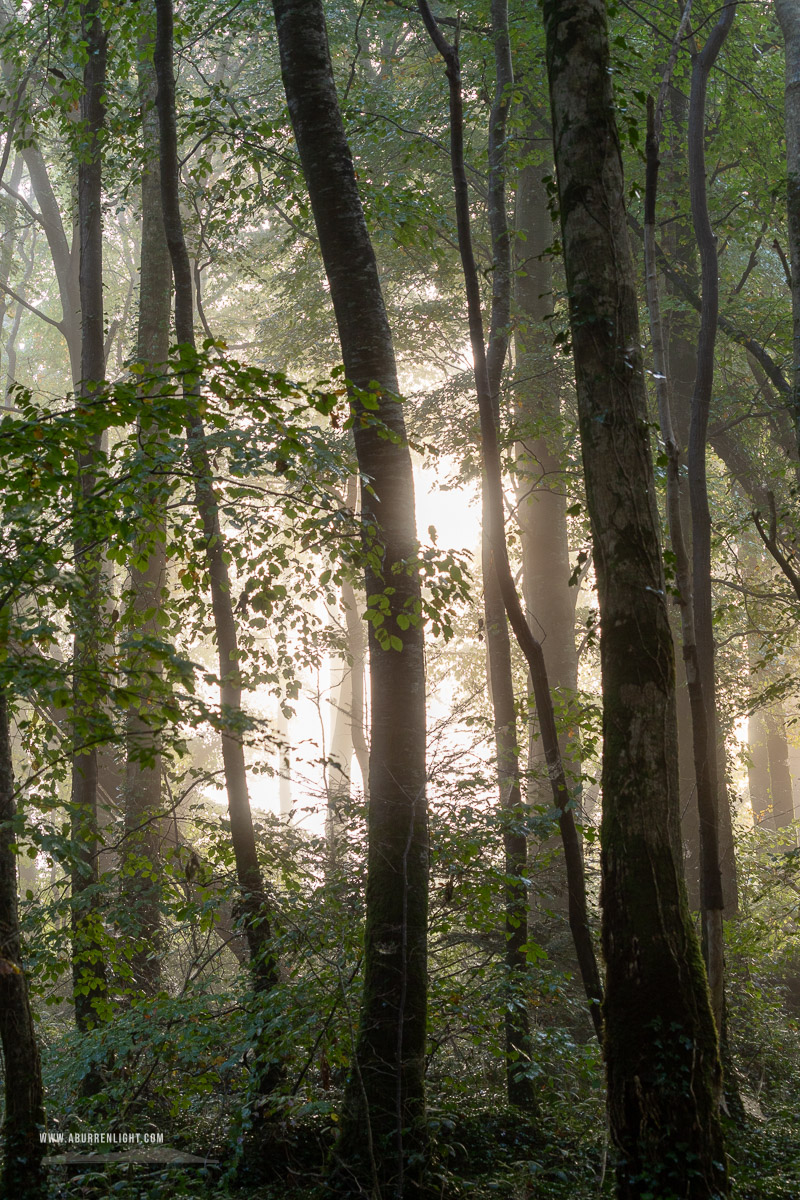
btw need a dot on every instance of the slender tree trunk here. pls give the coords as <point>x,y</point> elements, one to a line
<point>142,787</point>
<point>382,1137</point>
<point>22,1177</point>
<point>661,1045</point>
<point>519,1087</point>
<point>13,333</point>
<point>253,897</point>
<point>711,884</point>
<point>780,780</point>
<point>342,748</point>
<point>65,257</point>
<point>354,627</point>
<point>88,968</point>
<point>711,798</point>
<point>680,335</point>
<point>495,529</point>
<point>542,501</point>
<point>758,770</point>
<point>7,245</point>
<point>788,16</point>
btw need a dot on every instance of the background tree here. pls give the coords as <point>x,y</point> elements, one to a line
<point>652,961</point>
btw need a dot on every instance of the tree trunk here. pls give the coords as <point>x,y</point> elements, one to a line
<point>141,866</point>
<point>340,752</point>
<point>88,968</point>
<point>354,627</point>
<point>494,528</point>
<point>680,332</point>
<point>7,246</point>
<point>382,1136</point>
<point>63,255</point>
<point>542,506</point>
<point>780,780</point>
<point>254,903</point>
<point>758,770</point>
<point>702,741</point>
<point>661,1045</point>
<point>22,1177</point>
<point>519,1086</point>
<point>712,799</point>
<point>788,16</point>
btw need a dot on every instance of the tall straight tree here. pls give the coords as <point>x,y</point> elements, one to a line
<point>142,789</point>
<point>789,18</point>
<point>540,481</point>
<point>661,1047</point>
<point>89,979</point>
<point>519,1086</point>
<point>254,902</point>
<point>382,1134</point>
<point>712,816</point>
<point>494,529</point>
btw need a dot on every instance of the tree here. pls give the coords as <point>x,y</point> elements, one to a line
<point>494,527</point>
<point>385,1092</point>
<point>21,1174</point>
<point>789,20</point>
<point>143,762</point>
<point>661,1056</point>
<point>90,729</point>
<point>711,795</point>
<point>254,903</point>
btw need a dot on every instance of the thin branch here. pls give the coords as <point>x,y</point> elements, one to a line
<point>59,325</point>
<point>770,540</point>
<point>787,270</point>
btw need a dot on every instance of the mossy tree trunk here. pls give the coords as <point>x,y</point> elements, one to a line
<point>88,968</point>
<point>382,1140</point>
<point>661,1046</point>
<point>22,1176</point>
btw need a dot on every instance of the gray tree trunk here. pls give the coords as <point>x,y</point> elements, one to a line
<point>142,785</point>
<point>542,501</point>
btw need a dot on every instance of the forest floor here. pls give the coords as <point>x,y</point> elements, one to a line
<point>482,1155</point>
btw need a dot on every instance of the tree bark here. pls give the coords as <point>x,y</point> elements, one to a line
<point>495,530</point>
<point>758,770</point>
<point>519,1087</point>
<point>680,336</point>
<point>661,1046</point>
<point>702,740</point>
<point>382,1136</point>
<point>711,798</point>
<point>254,904</point>
<point>88,968</point>
<point>789,19</point>
<point>141,865</point>
<point>780,779</point>
<point>22,1176</point>
<point>541,491</point>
